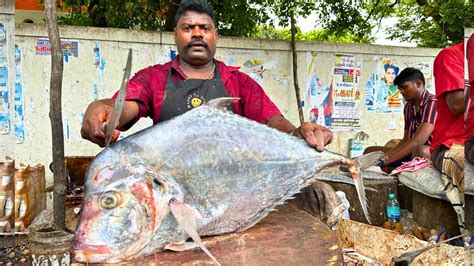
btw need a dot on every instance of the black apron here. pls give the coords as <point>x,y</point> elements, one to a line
<point>190,93</point>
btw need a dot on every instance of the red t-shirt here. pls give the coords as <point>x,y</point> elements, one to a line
<point>470,112</point>
<point>147,88</point>
<point>449,76</point>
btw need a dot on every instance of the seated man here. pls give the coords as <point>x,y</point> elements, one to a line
<point>419,113</point>
<point>447,150</point>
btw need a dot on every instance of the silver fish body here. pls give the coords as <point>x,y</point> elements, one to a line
<point>227,171</point>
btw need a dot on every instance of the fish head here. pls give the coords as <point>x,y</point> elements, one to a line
<point>121,211</point>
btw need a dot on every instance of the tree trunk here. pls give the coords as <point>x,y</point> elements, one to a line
<point>170,15</point>
<point>295,67</point>
<point>59,171</point>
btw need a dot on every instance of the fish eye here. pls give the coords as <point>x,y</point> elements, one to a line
<point>110,200</point>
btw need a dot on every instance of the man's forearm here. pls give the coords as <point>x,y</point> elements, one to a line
<point>281,123</point>
<point>402,151</point>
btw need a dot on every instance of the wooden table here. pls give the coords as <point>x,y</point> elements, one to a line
<point>288,236</point>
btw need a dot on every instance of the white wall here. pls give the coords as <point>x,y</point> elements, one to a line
<point>96,72</point>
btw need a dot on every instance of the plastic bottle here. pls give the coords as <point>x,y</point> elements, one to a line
<point>393,214</point>
<point>393,209</point>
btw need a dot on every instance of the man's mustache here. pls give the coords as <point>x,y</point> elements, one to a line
<point>196,42</point>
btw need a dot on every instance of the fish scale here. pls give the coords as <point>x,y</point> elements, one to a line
<point>214,172</point>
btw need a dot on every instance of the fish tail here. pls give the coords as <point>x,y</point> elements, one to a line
<point>356,174</point>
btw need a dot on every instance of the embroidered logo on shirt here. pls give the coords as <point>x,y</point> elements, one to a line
<point>194,100</point>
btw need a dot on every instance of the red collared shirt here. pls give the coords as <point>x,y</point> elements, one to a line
<point>449,76</point>
<point>147,88</point>
<point>470,112</point>
<point>426,114</point>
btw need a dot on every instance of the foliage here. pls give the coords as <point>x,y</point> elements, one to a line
<point>430,23</point>
<point>269,32</point>
<point>438,23</point>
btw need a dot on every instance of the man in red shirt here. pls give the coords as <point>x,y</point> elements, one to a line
<point>469,144</point>
<point>190,79</point>
<point>447,149</point>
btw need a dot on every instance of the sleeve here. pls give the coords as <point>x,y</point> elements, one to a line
<point>255,103</point>
<point>449,70</point>
<point>470,58</point>
<point>139,91</point>
<point>429,112</point>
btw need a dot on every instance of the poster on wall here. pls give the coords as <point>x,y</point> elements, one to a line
<point>427,69</point>
<point>4,81</point>
<point>382,95</point>
<point>70,48</point>
<point>19,112</point>
<point>346,93</point>
<point>319,94</point>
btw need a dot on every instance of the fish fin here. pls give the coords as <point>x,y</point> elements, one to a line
<point>222,102</point>
<point>356,174</point>
<point>181,246</point>
<point>360,188</point>
<point>187,219</point>
<point>365,161</point>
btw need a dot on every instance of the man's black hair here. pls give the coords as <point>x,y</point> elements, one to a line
<point>200,6</point>
<point>409,74</point>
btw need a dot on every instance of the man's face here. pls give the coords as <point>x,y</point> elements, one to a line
<point>195,36</point>
<point>410,89</point>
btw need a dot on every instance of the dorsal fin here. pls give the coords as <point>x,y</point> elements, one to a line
<point>221,103</point>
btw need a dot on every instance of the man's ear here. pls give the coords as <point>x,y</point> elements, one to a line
<point>418,83</point>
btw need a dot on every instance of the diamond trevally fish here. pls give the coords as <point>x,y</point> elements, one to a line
<point>206,172</point>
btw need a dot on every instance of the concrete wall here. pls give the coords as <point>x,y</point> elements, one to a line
<point>96,57</point>
<point>7,40</point>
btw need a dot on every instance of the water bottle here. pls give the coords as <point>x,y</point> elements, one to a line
<point>393,209</point>
<point>393,215</point>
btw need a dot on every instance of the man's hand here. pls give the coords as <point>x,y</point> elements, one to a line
<point>97,114</point>
<point>315,135</point>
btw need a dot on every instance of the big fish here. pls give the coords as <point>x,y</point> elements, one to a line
<point>206,172</point>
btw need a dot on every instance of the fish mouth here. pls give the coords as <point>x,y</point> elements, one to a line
<point>92,253</point>
<point>96,249</point>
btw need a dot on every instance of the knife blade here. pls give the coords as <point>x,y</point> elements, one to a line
<point>109,128</point>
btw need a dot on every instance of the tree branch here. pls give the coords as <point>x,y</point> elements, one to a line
<point>59,169</point>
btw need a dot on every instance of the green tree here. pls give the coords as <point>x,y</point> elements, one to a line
<point>431,23</point>
<point>270,32</point>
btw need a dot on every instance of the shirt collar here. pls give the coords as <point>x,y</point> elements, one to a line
<point>424,98</point>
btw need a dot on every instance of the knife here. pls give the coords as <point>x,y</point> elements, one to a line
<point>109,128</point>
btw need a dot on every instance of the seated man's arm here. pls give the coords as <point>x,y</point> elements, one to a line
<point>455,101</point>
<point>401,151</point>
